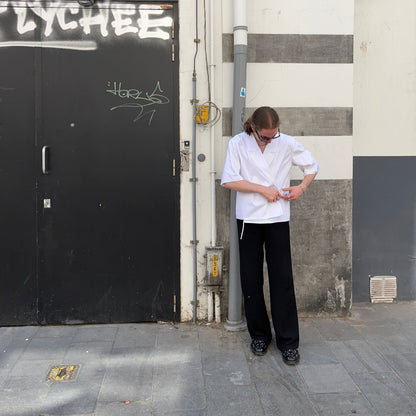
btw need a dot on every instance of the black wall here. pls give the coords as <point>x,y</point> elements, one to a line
<point>384,224</point>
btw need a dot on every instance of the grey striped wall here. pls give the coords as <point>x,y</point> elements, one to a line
<point>292,48</point>
<point>304,121</point>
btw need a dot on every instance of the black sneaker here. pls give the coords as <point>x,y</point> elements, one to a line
<point>259,347</point>
<point>291,356</point>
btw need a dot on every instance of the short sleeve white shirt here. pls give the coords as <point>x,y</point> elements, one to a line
<point>245,161</point>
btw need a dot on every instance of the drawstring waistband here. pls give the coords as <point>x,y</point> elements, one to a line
<point>242,231</point>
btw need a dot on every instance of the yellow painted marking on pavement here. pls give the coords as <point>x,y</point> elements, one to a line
<point>63,373</point>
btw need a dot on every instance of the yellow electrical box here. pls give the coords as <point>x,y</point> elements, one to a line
<point>202,114</point>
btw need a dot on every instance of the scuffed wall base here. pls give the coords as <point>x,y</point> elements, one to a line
<point>223,239</point>
<point>321,237</point>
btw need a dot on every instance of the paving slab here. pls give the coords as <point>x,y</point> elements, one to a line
<point>92,333</point>
<point>404,366</point>
<point>316,354</point>
<point>11,392</point>
<point>202,412</point>
<point>388,395</point>
<point>179,397</point>
<point>342,404</point>
<point>233,401</point>
<point>81,352</point>
<point>336,329</point>
<point>369,356</point>
<point>56,331</point>
<point>51,348</point>
<point>390,344</point>
<point>9,356</point>
<point>126,383</point>
<point>327,378</point>
<point>34,370</point>
<point>135,335</point>
<point>21,333</point>
<point>344,354</point>
<point>409,331</point>
<point>280,388</point>
<point>123,409</point>
<point>309,333</point>
<point>226,368</point>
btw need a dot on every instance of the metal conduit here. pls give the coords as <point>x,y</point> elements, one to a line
<point>194,241</point>
<point>234,321</point>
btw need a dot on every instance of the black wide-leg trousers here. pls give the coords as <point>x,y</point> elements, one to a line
<point>275,240</point>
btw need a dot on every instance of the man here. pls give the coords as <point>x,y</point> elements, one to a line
<point>258,167</point>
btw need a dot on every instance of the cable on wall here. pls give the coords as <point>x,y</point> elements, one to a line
<point>208,113</point>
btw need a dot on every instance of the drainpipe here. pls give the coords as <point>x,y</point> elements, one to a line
<point>234,321</point>
<point>212,130</point>
<point>194,179</point>
<point>214,296</point>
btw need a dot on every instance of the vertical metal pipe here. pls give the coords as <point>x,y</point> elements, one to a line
<point>194,234</point>
<point>194,179</point>
<point>210,305</point>
<point>212,131</point>
<point>234,321</point>
<point>217,307</point>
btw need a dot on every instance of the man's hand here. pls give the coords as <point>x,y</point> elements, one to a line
<point>294,192</point>
<point>272,195</point>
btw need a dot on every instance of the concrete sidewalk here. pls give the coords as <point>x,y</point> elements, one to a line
<point>363,365</point>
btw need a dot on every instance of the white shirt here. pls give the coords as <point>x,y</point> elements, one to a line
<point>245,161</point>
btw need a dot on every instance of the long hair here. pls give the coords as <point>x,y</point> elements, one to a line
<point>262,118</point>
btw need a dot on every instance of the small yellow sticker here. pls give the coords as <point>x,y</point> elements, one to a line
<point>215,266</point>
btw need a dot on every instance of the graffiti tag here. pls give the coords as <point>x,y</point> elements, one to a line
<point>142,101</point>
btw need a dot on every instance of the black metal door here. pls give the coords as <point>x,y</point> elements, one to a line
<point>18,292</point>
<point>108,191</point>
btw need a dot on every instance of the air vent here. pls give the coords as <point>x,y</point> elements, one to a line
<point>383,289</point>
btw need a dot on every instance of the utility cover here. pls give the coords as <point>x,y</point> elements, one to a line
<point>64,373</point>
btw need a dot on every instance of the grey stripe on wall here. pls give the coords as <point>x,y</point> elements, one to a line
<point>304,121</point>
<point>293,48</point>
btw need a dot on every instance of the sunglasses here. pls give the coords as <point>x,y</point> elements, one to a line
<point>266,139</point>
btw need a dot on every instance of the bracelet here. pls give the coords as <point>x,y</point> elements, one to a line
<point>302,187</point>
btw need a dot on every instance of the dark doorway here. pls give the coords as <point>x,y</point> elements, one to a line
<point>100,170</point>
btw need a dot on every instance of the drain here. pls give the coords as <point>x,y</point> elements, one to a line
<point>63,373</point>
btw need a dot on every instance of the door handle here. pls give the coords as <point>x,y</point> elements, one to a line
<point>45,160</point>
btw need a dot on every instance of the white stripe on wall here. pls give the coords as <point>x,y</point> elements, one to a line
<point>295,16</point>
<point>293,85</point>
<point>333,154</point>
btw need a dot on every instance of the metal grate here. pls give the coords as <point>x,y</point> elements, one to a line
<point>63,373</point>
<point>383,289</point>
